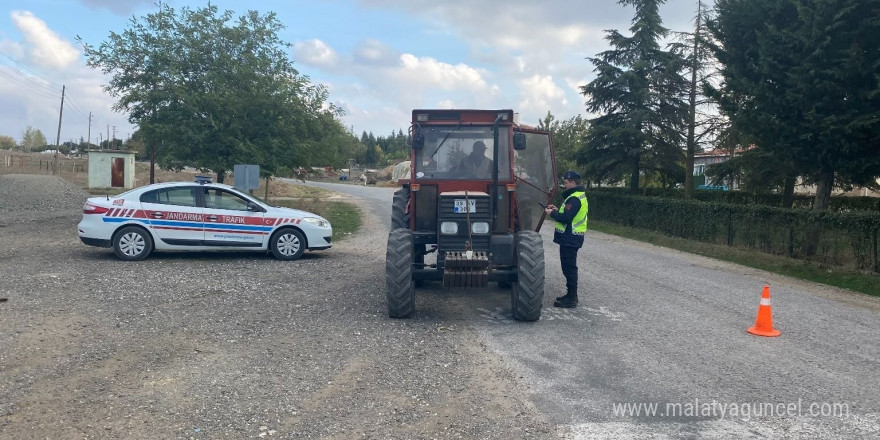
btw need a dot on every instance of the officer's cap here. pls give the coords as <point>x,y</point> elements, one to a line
<point>571,175</point>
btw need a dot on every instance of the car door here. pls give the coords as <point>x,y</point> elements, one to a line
<point>230,222</point>
<point>174,215</point>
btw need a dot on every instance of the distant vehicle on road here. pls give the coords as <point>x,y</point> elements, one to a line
<point>198,216</point>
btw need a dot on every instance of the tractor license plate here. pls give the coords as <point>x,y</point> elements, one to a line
<point>464,206</point>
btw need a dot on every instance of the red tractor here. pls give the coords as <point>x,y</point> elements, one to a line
<point>475,197</point>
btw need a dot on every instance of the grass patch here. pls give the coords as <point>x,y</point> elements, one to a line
<point>866,283</point>
<point>344,216</point>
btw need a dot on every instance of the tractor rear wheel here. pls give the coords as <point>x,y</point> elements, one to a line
<point>399,216</point>
<point>527,294</point>
<point>399,287</point>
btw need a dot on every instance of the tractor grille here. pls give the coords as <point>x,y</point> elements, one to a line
<point>446,213</point>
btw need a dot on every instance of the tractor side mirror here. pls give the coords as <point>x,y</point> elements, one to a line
<point>519,141</point>
<point>418,141</point>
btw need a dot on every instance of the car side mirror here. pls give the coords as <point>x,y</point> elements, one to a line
<point>519,141</point>
<point>251,206</point>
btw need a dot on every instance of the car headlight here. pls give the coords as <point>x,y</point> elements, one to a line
<point>480,227</point>
<point>317,221</point>
<point>449,228</point>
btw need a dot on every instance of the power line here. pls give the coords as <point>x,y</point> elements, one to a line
<point>42,90</point>
<point>54,84</point>
<point>40,86</point>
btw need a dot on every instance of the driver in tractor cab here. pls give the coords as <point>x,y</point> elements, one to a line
<point>476,164</point>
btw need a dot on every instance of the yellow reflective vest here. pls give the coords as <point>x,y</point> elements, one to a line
<point>579,223</point>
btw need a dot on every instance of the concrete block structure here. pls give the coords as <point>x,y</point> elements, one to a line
<point>111,169</point>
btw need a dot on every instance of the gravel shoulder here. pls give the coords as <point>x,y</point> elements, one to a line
<point>227,345</point>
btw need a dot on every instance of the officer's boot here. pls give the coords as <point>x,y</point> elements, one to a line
<point>568,301</point>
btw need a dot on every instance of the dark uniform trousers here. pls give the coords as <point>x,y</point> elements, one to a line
<point>568,259</point>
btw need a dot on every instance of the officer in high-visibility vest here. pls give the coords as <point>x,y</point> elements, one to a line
<point>571,225</point>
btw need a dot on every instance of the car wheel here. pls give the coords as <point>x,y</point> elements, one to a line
<point>288,244</point>
<point>132,243</point>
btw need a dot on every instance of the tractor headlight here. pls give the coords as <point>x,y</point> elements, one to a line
<point>449,228</point>
<point>480,227</point>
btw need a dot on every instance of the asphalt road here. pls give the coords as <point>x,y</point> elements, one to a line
<point>658,347</point>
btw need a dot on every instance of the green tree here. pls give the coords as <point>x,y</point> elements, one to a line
<point>7,143</point>
<point>32,139</point>
<point>702,121</point>
<point>568,139</point>
<point>210,91</point>
<point>638,92</point>
<point>800,77</point>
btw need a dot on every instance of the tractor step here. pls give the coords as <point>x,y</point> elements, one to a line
<point>466,269</point>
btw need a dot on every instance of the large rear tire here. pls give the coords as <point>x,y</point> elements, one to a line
<point>527,294</point>
<point>399,287</point>
<point>399,216</point>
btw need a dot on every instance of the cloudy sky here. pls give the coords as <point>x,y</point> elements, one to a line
<point>378,58</point>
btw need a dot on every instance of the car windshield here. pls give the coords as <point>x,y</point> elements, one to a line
<point>462,152</point>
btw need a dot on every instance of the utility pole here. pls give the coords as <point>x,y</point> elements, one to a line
<point>89,141</point>
<point>114,133</point>
<point>58,136</point>
<point>108,136</point>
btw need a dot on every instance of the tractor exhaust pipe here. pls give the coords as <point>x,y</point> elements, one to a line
<point>494,200</point>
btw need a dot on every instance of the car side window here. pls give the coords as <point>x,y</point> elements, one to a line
<point>170,196</point>
<point>220,199</point>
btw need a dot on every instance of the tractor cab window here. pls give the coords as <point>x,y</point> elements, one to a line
<point>535,179</point>
<point>465,153</point>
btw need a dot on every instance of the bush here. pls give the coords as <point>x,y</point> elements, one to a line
<point>839,238</point>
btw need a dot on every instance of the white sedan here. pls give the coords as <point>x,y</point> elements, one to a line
<point>198,216</point>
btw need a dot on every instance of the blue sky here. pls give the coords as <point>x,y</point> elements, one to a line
<point>379,59</point>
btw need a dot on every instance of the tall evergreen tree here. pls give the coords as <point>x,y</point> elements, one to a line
<point>800,77</point>
<point>638,92</point>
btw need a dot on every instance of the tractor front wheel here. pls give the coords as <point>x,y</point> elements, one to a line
<point>399,287</point>
<point>527,294</point>
<point>399,216</point>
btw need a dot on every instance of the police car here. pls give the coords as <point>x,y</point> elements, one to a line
<point>199,216</point>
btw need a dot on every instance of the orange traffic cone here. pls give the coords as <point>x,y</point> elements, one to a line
<point>764,322</point>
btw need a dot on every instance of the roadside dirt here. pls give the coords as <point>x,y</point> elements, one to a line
<point>233,345</point>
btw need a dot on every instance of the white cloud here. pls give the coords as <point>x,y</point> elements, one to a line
<point>11,48</point>
<point>46,48</point>
<point>540,93</point>
<point>32,72</point>
<point>375,53</point>
<point>522,44</point>
<point>315,53</point>
<point>428,72</point>
<point>575,84</point>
